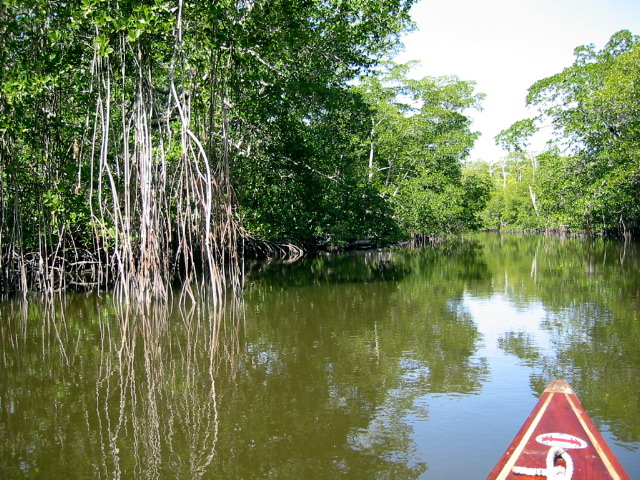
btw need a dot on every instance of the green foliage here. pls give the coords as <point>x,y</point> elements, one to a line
<point>514,201</point>
<point>593,106</point>
<point>308,182</point>
<point>515,138</point>
<point>589,180</point>
<point>510,208</point>
<point>418,139</point>
<point>123,124</point>
<point>141,131</point>
<point>380,159</point>
<point>477,187</point>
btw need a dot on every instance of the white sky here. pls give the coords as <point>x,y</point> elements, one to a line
<point>507,45</point>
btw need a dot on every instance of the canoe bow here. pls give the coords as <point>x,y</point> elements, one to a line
<point>558,421</point>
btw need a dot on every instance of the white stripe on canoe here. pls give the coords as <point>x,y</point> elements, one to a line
<point>594,441</point>
<point>506,470</point>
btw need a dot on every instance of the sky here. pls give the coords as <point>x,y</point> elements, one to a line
<point>507,45</point>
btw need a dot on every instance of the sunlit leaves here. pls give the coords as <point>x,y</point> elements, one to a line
<point>516,137</point>
<point>419,136</point>
<point>590,181</point>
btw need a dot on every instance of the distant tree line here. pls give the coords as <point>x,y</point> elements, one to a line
<point>145,142</point>
<point>588,180</point>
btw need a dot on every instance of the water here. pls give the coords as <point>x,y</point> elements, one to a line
<point>398,365</point>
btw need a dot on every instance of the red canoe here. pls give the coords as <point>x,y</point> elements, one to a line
<point>558,439</point>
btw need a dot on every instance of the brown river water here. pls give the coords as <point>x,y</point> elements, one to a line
<point>392,364</point>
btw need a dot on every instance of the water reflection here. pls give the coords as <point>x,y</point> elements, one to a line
<point>110,393</point>
<point>346,360</point>
<point>600,350</point>
<point>314,382</point>
<point>341,366</point>
<point>591,297</point>
<point>522,345</point>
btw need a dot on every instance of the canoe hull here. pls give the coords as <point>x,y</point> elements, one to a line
<point>559,421</point>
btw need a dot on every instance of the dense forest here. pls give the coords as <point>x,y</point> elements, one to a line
<point>143,143</point>
<point>148,142</point>
<point>588,179</point>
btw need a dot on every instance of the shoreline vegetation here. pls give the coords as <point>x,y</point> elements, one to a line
<point>82,271</point>
<point>144,144</point>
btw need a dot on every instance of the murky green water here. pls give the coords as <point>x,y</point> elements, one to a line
<point>394,365</point>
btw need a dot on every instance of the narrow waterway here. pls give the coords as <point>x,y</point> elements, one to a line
<point>387,365</point>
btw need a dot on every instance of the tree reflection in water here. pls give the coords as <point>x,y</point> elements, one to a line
<point>120,394</point>
<point>317,383</point>
<point>331,367</point>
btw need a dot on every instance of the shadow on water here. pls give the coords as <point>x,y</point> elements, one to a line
<point>366,266</point>
<point>324,268</point>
